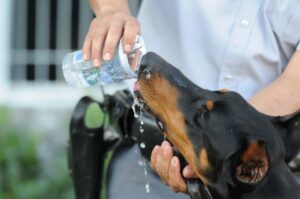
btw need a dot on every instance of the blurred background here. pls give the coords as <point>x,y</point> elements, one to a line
<point>35,102</point>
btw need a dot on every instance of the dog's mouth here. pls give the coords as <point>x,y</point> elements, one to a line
<point>139,101</point>
<point>143,105</point>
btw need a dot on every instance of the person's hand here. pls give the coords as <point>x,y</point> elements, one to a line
<point>105,32</point>
<point>167,167</point>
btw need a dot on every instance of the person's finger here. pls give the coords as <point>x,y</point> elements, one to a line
<point>112,38</point>
<point>86,49</point>
<point>175,179</point>
<point>97,45</point>
<point>174,189</point>
<point>94,40</point>
<point>98,37</point>
<point>158,164</point>
<point>154,156</point>
<point>188,172</point>
<point>167,153</point>
<point>131,29</point>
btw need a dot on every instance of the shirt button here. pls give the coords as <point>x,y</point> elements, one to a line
<point>245,22</point>
<point>228,77</point>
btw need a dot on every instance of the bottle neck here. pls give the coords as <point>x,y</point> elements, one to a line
<point>131,61</point>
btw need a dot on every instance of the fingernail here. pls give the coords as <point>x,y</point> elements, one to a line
<point>96,62</point>
<point>85,57</point>
<point>165,143</point>
<point>106,56</point>
<point>165,151</point>
<point>155,148</point>
<point>173,161</point>
<point>127,48</point>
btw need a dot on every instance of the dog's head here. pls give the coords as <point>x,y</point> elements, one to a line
<point>225,140</point>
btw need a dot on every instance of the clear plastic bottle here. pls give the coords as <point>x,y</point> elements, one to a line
<point>80,73</point>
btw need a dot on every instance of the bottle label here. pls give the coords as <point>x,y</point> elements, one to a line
<point>77,57</point>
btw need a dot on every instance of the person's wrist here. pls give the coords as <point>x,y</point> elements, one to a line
<point>110,9</point>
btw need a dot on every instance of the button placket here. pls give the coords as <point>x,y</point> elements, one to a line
<point>237,44</point>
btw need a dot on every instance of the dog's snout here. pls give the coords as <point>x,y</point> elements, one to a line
<point>151,63</point>
<point>150,58</point>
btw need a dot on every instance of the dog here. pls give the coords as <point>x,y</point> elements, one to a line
<point>236,151</point>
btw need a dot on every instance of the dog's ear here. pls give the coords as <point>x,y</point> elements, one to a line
<point>288,118</point>
<point>289,129</point>
<point>252,163</point>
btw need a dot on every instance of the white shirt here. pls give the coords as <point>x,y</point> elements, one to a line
<point>241,45</point>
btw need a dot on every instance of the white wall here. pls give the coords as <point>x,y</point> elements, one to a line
<point>5,32</point>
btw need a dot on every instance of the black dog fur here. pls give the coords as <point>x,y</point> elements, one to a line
<point>236,151</point>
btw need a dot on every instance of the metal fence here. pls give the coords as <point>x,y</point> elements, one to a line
<point>43,32</point>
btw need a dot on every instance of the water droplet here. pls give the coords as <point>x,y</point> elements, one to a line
<point>148,76</point>
<point>141,163</point>
<point>165,136</point>
<point>142,122</point>
<point>142,130</point>
<point>147,187</point>
<point>137,107</point>
<point>145,171</point>
<point>142,145</point>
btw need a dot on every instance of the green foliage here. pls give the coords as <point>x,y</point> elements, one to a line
<point>94,117</point>
<point>22,173</point>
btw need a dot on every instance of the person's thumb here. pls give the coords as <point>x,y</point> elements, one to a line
<point>188,172</point>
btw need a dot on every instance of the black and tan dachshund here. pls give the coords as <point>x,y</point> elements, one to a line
<point>236,151</point>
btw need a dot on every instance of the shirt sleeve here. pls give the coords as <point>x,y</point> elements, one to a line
<point>291,31</point>
<point>285,19</point>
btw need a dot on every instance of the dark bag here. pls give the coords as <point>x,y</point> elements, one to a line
<point>89,147</point>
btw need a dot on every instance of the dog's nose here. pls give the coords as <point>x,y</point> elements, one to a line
<point>150,62</point>
<point>150,58</point>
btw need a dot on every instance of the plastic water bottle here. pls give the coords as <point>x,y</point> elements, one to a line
<point>81,73</point>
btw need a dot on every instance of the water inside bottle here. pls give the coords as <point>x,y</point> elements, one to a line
<point>81,73</point>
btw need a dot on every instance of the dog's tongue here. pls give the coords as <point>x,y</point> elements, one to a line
<point>136,86</point>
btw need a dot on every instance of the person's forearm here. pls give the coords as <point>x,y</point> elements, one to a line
<point>99,5</point>
<point>281,97</point>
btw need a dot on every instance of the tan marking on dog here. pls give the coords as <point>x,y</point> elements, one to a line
<point>255,151</point>
<point>203,158</point>
<point>223,91</point>
<point>210,105</point>
<point>162,98</point>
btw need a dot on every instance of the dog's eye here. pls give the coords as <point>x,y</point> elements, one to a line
<point>160,125</point>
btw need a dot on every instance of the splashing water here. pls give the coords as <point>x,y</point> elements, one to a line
<point>142,145</point>
<point>141,130</point>
<point>147,187</point>
<point>137,108</point>
<point>141,124</point>
<point>148,76</point>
